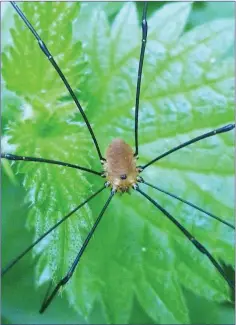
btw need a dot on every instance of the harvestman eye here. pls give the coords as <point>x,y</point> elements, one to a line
<point>119,168</point>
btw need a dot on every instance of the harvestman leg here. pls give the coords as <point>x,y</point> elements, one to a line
<point>187,234</point>
<point>223,129</point>
<point>48,161</point>
<point>29,248</point>
<point>141,180</point>
<point>49,297</point>
<point>140,68</point>
<point>58,70</point>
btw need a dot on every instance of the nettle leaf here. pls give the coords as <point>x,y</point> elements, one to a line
<point>187,89</point>
<point>206,11</point>
<point>41,84</point>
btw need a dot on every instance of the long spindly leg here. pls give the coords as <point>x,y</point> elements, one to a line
<point>48,161</point>
<point>19,257</point>
<point>189,203</point>
<point>223,129</point>
<point>49,297</point>
<point>140,68</point>
<point>187,234</point>
<point>58,70</point>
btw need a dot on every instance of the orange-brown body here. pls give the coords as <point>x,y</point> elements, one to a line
<point>120,166</point>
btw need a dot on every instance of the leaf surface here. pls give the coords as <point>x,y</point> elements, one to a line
<point>187,89</point>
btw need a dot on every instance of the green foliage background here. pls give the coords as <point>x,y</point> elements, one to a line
<point>138,268</point>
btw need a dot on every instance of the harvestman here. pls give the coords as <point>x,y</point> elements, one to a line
<point>119,168</point>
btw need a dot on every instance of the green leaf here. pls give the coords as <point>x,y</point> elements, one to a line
<point>167,24</point>
<point>204,311</point>
<point>206,11</point>
<point>39,83</point>
<point>136,254</point>
<point>15,238</point>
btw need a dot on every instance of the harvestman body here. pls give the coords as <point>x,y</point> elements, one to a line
<point>119,169</point>
<point>120,166</point>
